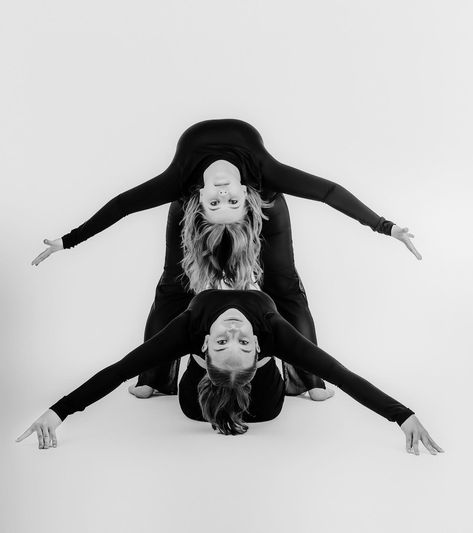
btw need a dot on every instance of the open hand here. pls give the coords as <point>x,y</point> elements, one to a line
<point>53,246</point>
<point>45,427</point>
<point>402,234</point>
<point>414,431</point>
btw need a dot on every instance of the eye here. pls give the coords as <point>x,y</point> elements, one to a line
<point>221,341</point>
<point>244,342</point>
<point>213,203</point>
<point>233,202</point>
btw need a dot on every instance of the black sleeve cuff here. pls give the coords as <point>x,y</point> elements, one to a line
<point>61,408</point>
<point>402,417</point>
<point>383,226</point>
<point>67,241</point>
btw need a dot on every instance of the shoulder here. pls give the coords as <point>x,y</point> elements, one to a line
<point>265,301</point>
<point>202,298</point>
<point>275,323</point>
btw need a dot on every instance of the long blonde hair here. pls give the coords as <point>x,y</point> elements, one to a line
<point>223,252</point>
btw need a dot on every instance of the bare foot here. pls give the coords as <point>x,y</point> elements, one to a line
<point>143,391</point>
<point>319,395</point>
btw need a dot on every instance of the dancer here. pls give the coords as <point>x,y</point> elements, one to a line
<point>220,181</point>
<point>237,334</point>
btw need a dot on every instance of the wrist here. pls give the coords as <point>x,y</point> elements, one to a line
<point>407,421</point>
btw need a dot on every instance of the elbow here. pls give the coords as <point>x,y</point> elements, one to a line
<point>120,206</point>
<point>327,195</point>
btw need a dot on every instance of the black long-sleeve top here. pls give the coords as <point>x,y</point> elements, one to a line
<point>276,337</point>
<point>241,144</point>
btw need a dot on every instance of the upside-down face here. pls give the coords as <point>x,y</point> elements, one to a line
<point>223,196</point>
<point>231,343</point>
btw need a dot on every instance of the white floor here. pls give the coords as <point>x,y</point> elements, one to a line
<point>373,95</point>
<point>131,465</point>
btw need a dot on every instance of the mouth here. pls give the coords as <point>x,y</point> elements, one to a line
<point>221,183</point>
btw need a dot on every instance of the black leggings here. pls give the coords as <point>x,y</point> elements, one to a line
<point>281,281</point>
<point>266,396</point>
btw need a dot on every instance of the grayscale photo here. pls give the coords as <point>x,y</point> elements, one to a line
<point>237,270</point>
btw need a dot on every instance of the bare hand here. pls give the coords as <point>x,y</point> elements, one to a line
<point>414,431</point>
<point>53,246</point>
<point>402,234</point>
<point>45,427</point>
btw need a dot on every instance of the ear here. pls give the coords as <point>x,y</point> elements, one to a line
<point>258,349</point>
<point>245,189</point>
<point>201,193</point>
<point>206,343</point>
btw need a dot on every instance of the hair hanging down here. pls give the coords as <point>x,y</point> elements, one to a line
<point>224,397</point>
<point>204,243</point>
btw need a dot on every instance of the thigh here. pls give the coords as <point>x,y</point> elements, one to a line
<point>163,376</point>
<point>171,296</point>
<point>171,299</point>
<point>280,278</point>
<point>277,252</point>
<point>173,271</point>
<point>281,281</point>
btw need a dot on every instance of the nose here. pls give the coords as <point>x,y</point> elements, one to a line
<point>223,192</point>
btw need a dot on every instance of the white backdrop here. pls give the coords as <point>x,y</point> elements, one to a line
<point>374,95</point>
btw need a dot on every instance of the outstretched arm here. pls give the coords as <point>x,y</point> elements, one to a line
<point>285,179</point>
<point>168,344</point>
<point>294,348</point>
<point>159,190</point>
<point>291,346</point>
